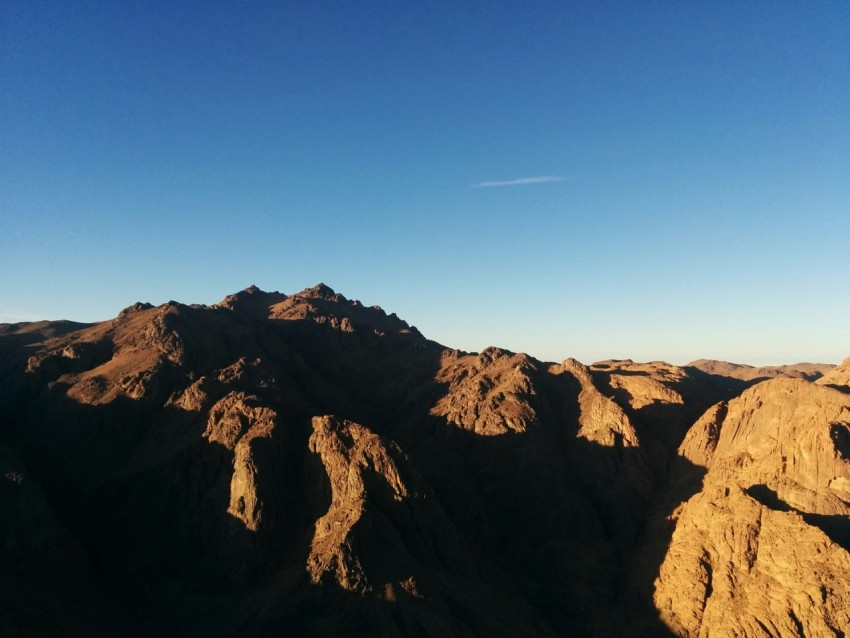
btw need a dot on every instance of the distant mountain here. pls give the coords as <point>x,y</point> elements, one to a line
<point>809,371</point>
<point>305,465</point>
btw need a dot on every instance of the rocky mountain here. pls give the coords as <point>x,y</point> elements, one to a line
<point>306,465</point>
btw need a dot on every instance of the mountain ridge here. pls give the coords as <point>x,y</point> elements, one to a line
<point>306,463</point>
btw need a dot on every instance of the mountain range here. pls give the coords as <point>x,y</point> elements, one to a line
<point>305,465</point>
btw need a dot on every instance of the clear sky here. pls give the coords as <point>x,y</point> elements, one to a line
<point>653,180</point>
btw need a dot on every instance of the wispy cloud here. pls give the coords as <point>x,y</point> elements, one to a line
<point>542,179</point>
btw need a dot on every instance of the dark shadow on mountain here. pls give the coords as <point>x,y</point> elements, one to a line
<point>152,521</point>
<point>556,513</point>
<point>835,526</point>
<point>841,388</point>
<point>768,497</point>
<point>683,482</point>
<point>840,435</point>
<point>661,426</point>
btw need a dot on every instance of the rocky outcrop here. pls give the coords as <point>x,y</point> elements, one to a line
<point>700,442</point>
<point>737,567</point>
<point>323,306</point>
<point>642,384</point>
<point>661,400</point>
<point>489,394</point>
<point>601,420</point>
<point>238,423</point>
<point>383,529</point>
<point>762,548</point>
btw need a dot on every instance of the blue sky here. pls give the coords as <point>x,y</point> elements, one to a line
<point>653,180</point>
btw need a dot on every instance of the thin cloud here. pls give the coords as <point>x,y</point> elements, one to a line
<point>542,179</point>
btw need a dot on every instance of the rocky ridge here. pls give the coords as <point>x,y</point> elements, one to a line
<point>743,372</point>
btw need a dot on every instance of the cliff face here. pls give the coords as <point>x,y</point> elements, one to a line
<point>762,547</point>
<point>303,464</point>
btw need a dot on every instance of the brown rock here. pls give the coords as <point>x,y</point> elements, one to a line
<point>489,393</point>
<point>761,549</point>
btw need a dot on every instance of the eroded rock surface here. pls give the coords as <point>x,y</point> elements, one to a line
<point>762,548</point>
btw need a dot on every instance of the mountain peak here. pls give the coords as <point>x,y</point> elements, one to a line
<point>321,291</point>
<point>250,298</point>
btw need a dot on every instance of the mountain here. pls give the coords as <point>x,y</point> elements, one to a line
<point>743,372</point>
<point>307,465</point>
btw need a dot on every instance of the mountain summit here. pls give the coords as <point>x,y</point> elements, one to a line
<point>306,465</point>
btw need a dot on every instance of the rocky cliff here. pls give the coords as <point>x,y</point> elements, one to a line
<point>761,548</point>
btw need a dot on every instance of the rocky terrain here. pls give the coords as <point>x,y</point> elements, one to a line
<point>305,465</point>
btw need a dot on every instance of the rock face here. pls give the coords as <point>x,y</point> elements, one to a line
<point>306,465</point>
<point>762,548</point>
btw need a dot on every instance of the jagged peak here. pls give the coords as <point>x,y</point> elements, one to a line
<point>321,291</point>
<point>134,308</point>
<point>491,353</point>
<point>570,363</point>
<point>250,296</point>
<point>321,304</point>
<point>172,306</point>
